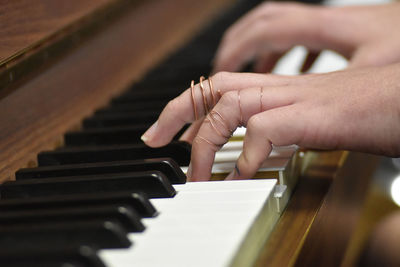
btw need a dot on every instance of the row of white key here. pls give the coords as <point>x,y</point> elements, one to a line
<point>203,225</point>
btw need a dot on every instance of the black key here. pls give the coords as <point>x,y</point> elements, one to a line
<point>121,119</point>
<point>165,165</point>
<point>154,106</point>
<point>137,201</point>
<point>106,136</point>
<point>180,76</point>
<point>141,93</point>
<point>110,136</point>
<point>126,216</point>
<point>82,256</point>
<point>99,234</point>
<point>179,151</point>
<point>154,184</point>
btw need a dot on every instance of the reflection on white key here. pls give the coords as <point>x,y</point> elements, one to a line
<point>240,131</point>
<point>204,225</point>
<point>230,152</point>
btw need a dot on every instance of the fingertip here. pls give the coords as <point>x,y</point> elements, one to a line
<point>153,137</point>
<point>144,138</point>
<point>149,134</point>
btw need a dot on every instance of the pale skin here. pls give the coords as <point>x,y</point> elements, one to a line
<point>366,35</point>
<point>355,109</point>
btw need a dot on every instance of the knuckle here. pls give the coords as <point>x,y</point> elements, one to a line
<point>229,98</point>
<point>254,123</point>
<point>267,6</point>
<point>173,109</point>
<point>172,105</point>
<point>228,35</point>
<point>221,76</point>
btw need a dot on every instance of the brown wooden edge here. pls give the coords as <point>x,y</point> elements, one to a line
<point>20,65</point>
<point>286,240</point>
<point>333,226</point>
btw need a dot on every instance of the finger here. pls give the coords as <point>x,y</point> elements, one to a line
<point>191,132</point>
<point>264,10</point>
<point>180,110</point>
<point>234,109</point>
<point>236,51</point>
<point>276,33</point>
<point>266,62</point>
<point>280,126</point>
<point>366,55</point>
<point>309,61</point>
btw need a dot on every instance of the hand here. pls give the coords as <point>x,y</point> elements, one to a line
<point>355,109</point>
<point>366,35</point>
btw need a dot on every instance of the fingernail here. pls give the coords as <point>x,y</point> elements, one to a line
<point>149,133</point>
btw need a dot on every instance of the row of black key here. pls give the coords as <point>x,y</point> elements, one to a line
<point>89,194</point>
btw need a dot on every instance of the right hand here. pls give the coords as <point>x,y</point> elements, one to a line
<point>366,35</point>
<point>355,109</point>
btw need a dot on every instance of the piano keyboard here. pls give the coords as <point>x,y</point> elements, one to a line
<point>105,199</point>
<point>87,203</point>
<point>206,224</point>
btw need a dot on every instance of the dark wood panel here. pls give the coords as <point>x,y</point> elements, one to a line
<point>323,214</point>
<point>329,235</point>
<point>25,23</point>
<point>287,239</point>
<point>38,33</point>
<point>34,117</point>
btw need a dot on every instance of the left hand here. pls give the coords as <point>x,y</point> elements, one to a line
<point>366,35</point>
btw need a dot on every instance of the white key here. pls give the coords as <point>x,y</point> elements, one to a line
<point>230,152</point>
<point>204,225</point>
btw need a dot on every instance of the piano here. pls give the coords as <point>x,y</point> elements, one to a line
<point>79,83</point>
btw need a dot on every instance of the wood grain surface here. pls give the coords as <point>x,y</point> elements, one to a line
<point>330,234</point>
<point>38,33</point>
<point>34,117</point>
<point>26,23</point>
<point>289,235</point>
